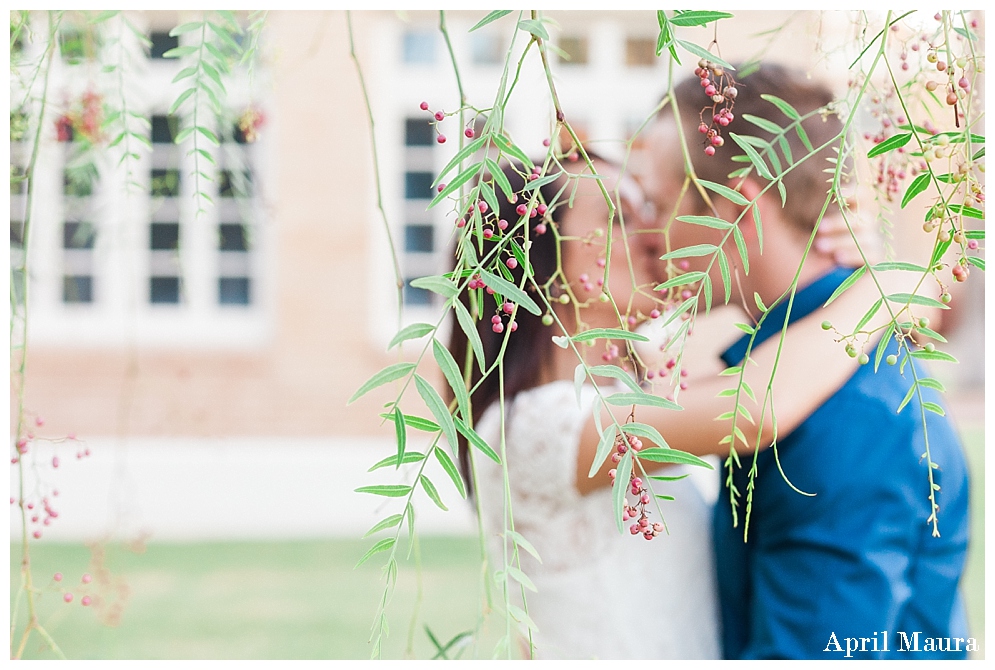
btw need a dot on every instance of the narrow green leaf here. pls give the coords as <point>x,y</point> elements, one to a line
<point>977,262</point>
<point>452,374</point>
<point>879,352</point>
<point>869,315</point>
<point>760,227</point>
<point>898,265</point>
<point>409,457</point>
<point>473,438</point>
<point>614,372</point>
<point>726,279</point>
<point>388,374</point>
<point>438,409</point>
<point>186,28</point>
<point>931,383</point>
<point>622,472</point>
<point>690,252</point>
<point>608,334</point>
<point>382,545</point>
<point>521,578</point>
<point>180,52</point>
<point>469,329</point>
<point>451,470</point>
<point>755,158</point>
<point>430,489</point>
<point>726,192</point>
<point>213,74</point>
<point>412,332</point>
<point>764,124</point>
<point>508,147</point>
<point>760,302</point>
<point>520,616</point>
<point>911,298</point>
<point>542,181</point>
<point>489,196</point>
<point>703,53</point>
<point>520,540</point>
<point>708,221</point>
<point>933,407</point>
<point>400,430</point>
<point>510,291</point>
<point>415,422</point>
<point>208,134</point>
<point>847,283</point>
<point>389,522</point>
<point>493,16</point>
<point>499,177</point>
<point>176,105</point>
<point>436,284</point>
<point>604,448</point>
<point>918,185</point>
<point>387,490</point>
<point>460,156</point>
<point>745,328</point>
<point>535,27</point>
<point>698,18</point>
<point>744,254</point>
<point>889,144</point>
<point>647,431</point>
<point>680,280</point>
<point>453,186</point>
<point>666,478</point>
<point>974,234</point>
<point>782,105</point>
<point>933,356</point>
<point>672,456</point>
<point>184,73</point>
<point>648,399</point>
<point>964,210</point>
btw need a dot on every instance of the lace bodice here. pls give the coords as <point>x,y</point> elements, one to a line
<point>600,594</point>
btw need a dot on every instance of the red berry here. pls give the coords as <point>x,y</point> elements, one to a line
<point>57,576</point>
<point>634,529</point>
<point>68,597</point>
<point>37,534</point>
<point>424,106</point>
<point>439,116</point>
<point>709,151</point>
<point>508,307</point>
<point>502,224</point>
<point>655,314</point>
<point>513,325</point>
<point>87,578</point>
<point>545,142</point>
<point>441,139</point>
<point>468,132</point>
<point>512,263</point>
<point>522,209</point>
<point>488,233</point>
<point>703,128</point>
<point>85,601</point>
<point>541,209</point>
<point>482,206</point>
<point>498,327</point>
<point>55,461</point>
<point>540,229</point>
<point>441,187</point>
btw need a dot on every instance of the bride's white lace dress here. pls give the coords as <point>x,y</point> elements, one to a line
<point>599,594</point>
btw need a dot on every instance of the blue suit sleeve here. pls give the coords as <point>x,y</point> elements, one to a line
<point>839,563</point>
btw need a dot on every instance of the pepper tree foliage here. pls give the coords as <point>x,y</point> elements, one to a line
<point>915,161</point>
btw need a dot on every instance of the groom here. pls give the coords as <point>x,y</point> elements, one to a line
<point>853,570</point>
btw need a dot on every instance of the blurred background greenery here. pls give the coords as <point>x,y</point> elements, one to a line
<point>302,599</point>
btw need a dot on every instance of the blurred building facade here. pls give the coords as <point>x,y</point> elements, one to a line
<point>156,328</point>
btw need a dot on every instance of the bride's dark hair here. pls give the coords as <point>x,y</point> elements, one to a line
<point>529,347</point>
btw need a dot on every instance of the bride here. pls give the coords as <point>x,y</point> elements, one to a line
<point>598,593</point>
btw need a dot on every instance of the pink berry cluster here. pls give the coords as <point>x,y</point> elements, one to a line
<point>67,596</point>
<point>637,511</point>
<point>720,88</point>
<point>497,323</point>
<point>439,117</point>
<point>31,504</point>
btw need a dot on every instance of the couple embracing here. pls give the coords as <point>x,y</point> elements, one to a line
<point>844,569</point>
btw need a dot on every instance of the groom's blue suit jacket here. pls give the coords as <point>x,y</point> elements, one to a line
<point>857,559</point>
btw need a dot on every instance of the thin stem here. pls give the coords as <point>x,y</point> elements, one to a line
<point>399,281</point>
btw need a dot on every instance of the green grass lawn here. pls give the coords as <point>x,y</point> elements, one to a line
<point>297,600</point>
